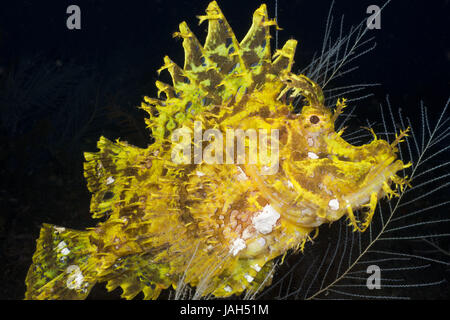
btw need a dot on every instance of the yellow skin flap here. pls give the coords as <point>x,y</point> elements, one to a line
<point>217,227</point>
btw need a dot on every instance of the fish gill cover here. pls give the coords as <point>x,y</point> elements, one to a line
<point>217,225</point>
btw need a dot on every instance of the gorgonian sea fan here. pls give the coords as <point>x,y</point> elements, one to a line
<point>174,219</point>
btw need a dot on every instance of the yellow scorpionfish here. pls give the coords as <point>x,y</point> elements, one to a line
<point>173,219</point>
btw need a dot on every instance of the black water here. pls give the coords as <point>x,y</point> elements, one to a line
<point>61,89</point>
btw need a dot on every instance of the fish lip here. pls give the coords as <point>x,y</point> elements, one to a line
<point>381,174</point>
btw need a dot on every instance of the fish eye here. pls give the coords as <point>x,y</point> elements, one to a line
<point>314,119</point>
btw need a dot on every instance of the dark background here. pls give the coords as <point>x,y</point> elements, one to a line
<point>65,88</point>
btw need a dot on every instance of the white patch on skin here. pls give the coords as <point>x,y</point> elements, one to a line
<point>310,142</point>
<point>246,233</point>
<point>262,242</point>
<point>228,289</point>
<point>320,220</point>
<point>241,176</point>
<point>200,174</point>
<point>265,169</point>
<point>248,277</point>
<point>266,220</point>
<point>65,251</point>
<point>312,155</point>
<point>109,180</point>
<point>334,204</point>
<point>59,229</point>
<point>75,278</point>
<point>290,185</point>
<point>256,267</point>
<point>61,246</point>
<point>237,245</point>
<point>324,188</point>
<point>99,167</point>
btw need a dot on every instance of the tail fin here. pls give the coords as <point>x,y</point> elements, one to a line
<point>62,265</point>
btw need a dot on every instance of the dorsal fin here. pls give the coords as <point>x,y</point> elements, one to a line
<point>179,79</point>
<point>198,67</point>
<point>221,72</point>
<point>284,58</point>
<point>221,43</point>
<point>256,43</point>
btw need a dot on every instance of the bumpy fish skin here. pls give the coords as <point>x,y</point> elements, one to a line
<point>217,227</point>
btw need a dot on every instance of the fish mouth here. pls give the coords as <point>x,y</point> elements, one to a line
<point>307,215</point>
